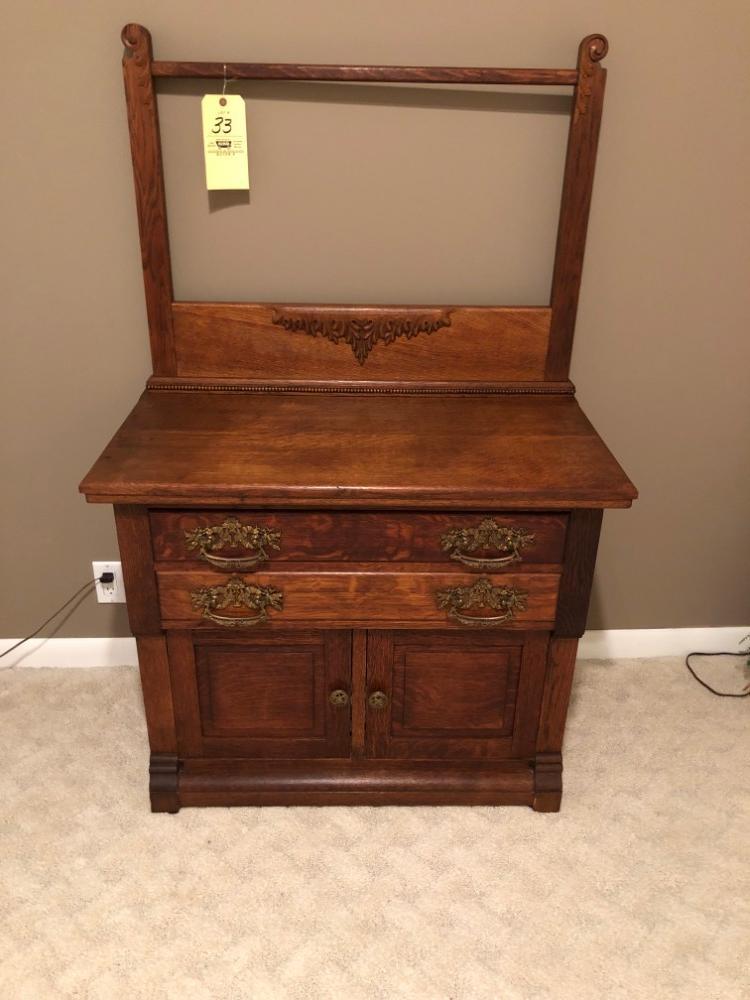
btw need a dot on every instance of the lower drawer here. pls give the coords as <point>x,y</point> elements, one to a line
<point>370,597</point>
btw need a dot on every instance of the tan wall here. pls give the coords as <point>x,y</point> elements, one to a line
<point>392,198</point>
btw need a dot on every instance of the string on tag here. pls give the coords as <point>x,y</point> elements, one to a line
<point>223,100</point>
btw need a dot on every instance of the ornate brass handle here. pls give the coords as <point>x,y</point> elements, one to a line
<point>233,534</point>
<point>236,593</point>
<point>339,698</point>
<point>482,594</point>
<point>487,535</point>
<point>378,699</point>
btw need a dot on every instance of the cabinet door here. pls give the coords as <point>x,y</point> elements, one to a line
<point>275,695</point>
<point>467,695</point>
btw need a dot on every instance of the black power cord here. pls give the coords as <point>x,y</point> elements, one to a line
<point>104,578</point>
<point>719,694</point>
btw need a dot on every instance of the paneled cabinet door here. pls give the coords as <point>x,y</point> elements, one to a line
<point>272,695</point>
<point>468,695</point>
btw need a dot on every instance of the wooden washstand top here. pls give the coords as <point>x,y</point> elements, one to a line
<point>308,449</point>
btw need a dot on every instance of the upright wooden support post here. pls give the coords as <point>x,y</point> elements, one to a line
<point>145,144</point>
<point>578,181</point>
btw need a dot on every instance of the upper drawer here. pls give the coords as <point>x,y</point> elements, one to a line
<point>245,539</point>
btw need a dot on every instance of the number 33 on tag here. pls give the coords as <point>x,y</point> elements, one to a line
<point>225,142</point>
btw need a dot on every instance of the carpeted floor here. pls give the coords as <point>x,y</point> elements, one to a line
<point>640,888</point>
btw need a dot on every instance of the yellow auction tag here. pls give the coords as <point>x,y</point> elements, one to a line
<point>225,142</point>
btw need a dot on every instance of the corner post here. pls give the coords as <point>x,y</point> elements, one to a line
<point>581,543</point>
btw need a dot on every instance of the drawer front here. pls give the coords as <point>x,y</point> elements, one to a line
<point>373,597</point>
<point>244,540</point>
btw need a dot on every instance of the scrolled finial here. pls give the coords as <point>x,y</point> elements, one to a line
<point>135,36</point>
<point>594,47</point>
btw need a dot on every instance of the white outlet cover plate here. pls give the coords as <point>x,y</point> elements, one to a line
<point>109,593</point>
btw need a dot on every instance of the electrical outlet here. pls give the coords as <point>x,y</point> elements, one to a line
<point>109,593</point>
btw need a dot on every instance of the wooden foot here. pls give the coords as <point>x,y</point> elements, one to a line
<point>547,782</point>
<point>547,802</point>
<point>163,770</point>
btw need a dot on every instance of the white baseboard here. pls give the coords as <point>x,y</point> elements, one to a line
<point>607,644</point>
<point>99,652</point>
<point>626,643</point>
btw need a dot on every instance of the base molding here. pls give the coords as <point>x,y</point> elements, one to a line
<point>606,644</point>
<point>242,782</point>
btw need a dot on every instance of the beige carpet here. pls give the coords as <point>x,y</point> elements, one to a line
<point>638,889</point>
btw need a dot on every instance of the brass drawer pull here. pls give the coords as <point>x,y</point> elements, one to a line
<point>233,534</point>
<point>378,699</point>
<point>487,535</point>
<point>482,594</point>
<point>339,698</point>
<point>236,594</point>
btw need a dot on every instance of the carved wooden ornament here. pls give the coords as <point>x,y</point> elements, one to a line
<point>360,330</point>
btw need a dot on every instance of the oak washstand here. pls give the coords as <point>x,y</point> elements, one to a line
<point>364,583</point>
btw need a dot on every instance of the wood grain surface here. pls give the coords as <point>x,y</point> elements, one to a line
<point>358,536</point>
<point>378,596</point>
<point>150,198</point>
<point>365,74</point>
<point>237,781</point>
<point>578,182</point>
<point>280,449</point>
<point>250,341</point>
<point>266,696</point>
<point>470,696</point>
